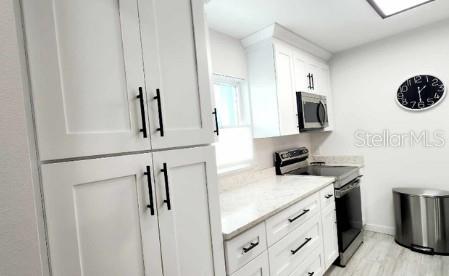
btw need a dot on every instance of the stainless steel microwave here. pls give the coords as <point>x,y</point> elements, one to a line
<point>312,111</point>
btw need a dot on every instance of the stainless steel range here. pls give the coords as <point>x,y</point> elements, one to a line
<point>347,195</point>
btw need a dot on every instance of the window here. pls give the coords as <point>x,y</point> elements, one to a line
<point>235,143</point>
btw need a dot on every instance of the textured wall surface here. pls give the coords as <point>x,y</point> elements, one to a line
<point>19,243</point>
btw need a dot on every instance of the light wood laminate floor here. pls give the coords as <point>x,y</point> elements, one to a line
<point>379,255</point>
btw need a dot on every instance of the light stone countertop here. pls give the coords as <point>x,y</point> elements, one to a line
<point>247,205</point>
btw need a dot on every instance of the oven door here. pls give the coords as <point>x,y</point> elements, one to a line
<point>349,213</point>
<point>312,111</point>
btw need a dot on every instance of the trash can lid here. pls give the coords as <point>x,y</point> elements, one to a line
<point>422,192</point>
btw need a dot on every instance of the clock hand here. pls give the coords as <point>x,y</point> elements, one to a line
<point>419,93</point>
<point>421,89</point>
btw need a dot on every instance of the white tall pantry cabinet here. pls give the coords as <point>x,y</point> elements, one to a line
<point>112,81</point>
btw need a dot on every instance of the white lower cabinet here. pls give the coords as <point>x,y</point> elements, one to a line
<point>182,179</point>
<point>108,216</point>
<point>312,266</point>
<point>257,267</point>
<point>330,240</point>
<point>291,251</point>
<point>97,217</point>
<point>245,247</point>
<point>298,241</point>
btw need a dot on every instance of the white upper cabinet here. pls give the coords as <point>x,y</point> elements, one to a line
<point>176,72</point>
<point>98,219</point>
<point>185,179</point>
<point>277,70</point>
<point>300,72</point>
<point>89,67</point>
<point>287,110</point>
<point>86,69</point>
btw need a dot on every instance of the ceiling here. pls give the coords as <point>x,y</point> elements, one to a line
<point>335,25</point>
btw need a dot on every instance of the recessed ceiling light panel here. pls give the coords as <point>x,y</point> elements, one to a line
<point>387,8</point>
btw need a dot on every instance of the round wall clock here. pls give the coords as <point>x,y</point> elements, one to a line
<point>421,92</point>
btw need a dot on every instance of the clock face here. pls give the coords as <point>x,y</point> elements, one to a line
<point>421,92</point>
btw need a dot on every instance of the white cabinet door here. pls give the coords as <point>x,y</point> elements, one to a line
<point>301,77</point>
<point>288,120</point>
<point>183,178</point>
<point>319,78</point>
<point>330,239</point>
<point>97,217</point>
<point>176,72</point>
<point>257,267</point>
<point>85,61</point>
<point>315,79</point>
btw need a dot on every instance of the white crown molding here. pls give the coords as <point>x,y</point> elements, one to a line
<point>279,32</point>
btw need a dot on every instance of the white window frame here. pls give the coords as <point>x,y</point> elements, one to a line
<point>241,123</point>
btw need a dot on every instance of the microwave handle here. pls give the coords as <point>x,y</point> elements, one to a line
<point>321,106</point>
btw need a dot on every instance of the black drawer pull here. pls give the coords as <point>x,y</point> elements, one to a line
<point>298,216</point>
<point>150,190</point>
<point>142,113</point>
<point>250,247</point>
<point>301,246</point>
<point>216,122</point>
<point>159,111</point>
<point>167,188</point>
<point>328,196</point>
<point>311,273</point>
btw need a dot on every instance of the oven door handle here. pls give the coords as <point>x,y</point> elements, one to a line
<point>351,186</point>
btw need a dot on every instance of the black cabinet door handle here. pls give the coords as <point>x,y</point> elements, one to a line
<point>167,188</point>
<point>310,81</point>
<point>150,190</point>
<point>142,113</point>
<point>328,196</point>
<point>298,216</point>
<point>313,82</point>
<point>301,246</point>
<point>159,111</point>
<point>216,122</point>
<point>250,247</point>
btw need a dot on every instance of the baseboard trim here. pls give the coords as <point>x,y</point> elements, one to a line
<point>380,229</point>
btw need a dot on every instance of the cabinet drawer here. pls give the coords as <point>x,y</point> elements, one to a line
<point>291,251</point>
<point>283,223</point>
<point>327,197</point>
<point>313,266</point>
<point>244,248</point>
<point>256,267</point>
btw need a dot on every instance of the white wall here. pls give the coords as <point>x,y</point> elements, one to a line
<point>228,55</point>
<point>229,58</point>
<point>365,81</point>
<point>20,246</point>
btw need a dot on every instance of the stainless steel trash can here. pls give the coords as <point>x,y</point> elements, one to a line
<point>422,219</point>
